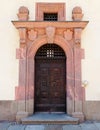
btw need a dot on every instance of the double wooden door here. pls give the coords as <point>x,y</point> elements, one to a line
<point>50,92</point>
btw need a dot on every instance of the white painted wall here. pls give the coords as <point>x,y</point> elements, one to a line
<point>9,41</point>
<point>91,44</point>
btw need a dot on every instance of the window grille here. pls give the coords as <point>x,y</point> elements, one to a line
<point>52,51</point>
<point>50,16</point>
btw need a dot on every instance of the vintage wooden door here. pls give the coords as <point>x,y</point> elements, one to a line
<point>50,74</point>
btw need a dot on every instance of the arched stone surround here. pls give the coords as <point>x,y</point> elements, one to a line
<point>33,35</point>
<point>69,62</point>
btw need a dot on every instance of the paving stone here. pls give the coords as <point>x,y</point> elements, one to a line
<point>71,127</point>
<point>34,127</point>
<point>4,125</point>
<point>84,126</point>
<point>97,125</point>
<point>53,127</point>
<point>90,126</point>
<point>16,127</point>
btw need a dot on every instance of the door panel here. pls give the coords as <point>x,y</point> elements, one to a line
<point>50,94</point>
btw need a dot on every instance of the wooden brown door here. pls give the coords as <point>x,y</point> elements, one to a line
<point>50,86</point>
<point>50,93</point>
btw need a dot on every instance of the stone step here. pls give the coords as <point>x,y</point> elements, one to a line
<point>50,119</point>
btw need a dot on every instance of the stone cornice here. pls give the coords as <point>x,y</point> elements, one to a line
<point>42,24</point>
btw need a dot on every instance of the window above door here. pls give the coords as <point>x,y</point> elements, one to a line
<point>50,12</point>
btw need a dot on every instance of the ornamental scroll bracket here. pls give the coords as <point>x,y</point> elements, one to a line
<point>50,32</point>
<point>77,36</point>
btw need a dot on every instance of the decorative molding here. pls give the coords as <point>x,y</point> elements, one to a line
<point>50,8</point>
<point>32,35</point>
<point>50,32</point>
<point>68,35</point>
<point>42,24</point>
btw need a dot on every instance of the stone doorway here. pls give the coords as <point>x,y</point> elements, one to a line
<point>33,35</point>
<point>50,79</point>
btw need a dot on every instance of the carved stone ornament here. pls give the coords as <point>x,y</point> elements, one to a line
<point>68,34</point>
<point>32,35</point>
<point>77,14</point>
<point>50,32</point>
<point>23,14</point>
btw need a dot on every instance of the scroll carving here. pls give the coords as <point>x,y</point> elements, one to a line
<point>77,36</point>
<point>50,32</point>
<point>32,35</point>
<point>68,35</point>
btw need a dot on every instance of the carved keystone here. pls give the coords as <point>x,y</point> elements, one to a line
<point>50,32</point>
<point>77,14</point>
<point>23,14</point>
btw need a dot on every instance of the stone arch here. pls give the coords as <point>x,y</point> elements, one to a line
<point>60,41</point>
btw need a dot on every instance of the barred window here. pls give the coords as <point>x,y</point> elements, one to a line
<point>50,16</point>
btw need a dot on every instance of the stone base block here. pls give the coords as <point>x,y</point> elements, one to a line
<point>20,115</point>
<point>78,115</point>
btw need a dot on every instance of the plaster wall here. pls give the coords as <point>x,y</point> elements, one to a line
<point>9,41</point>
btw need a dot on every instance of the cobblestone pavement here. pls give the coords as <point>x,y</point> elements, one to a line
<point>83,126</point>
